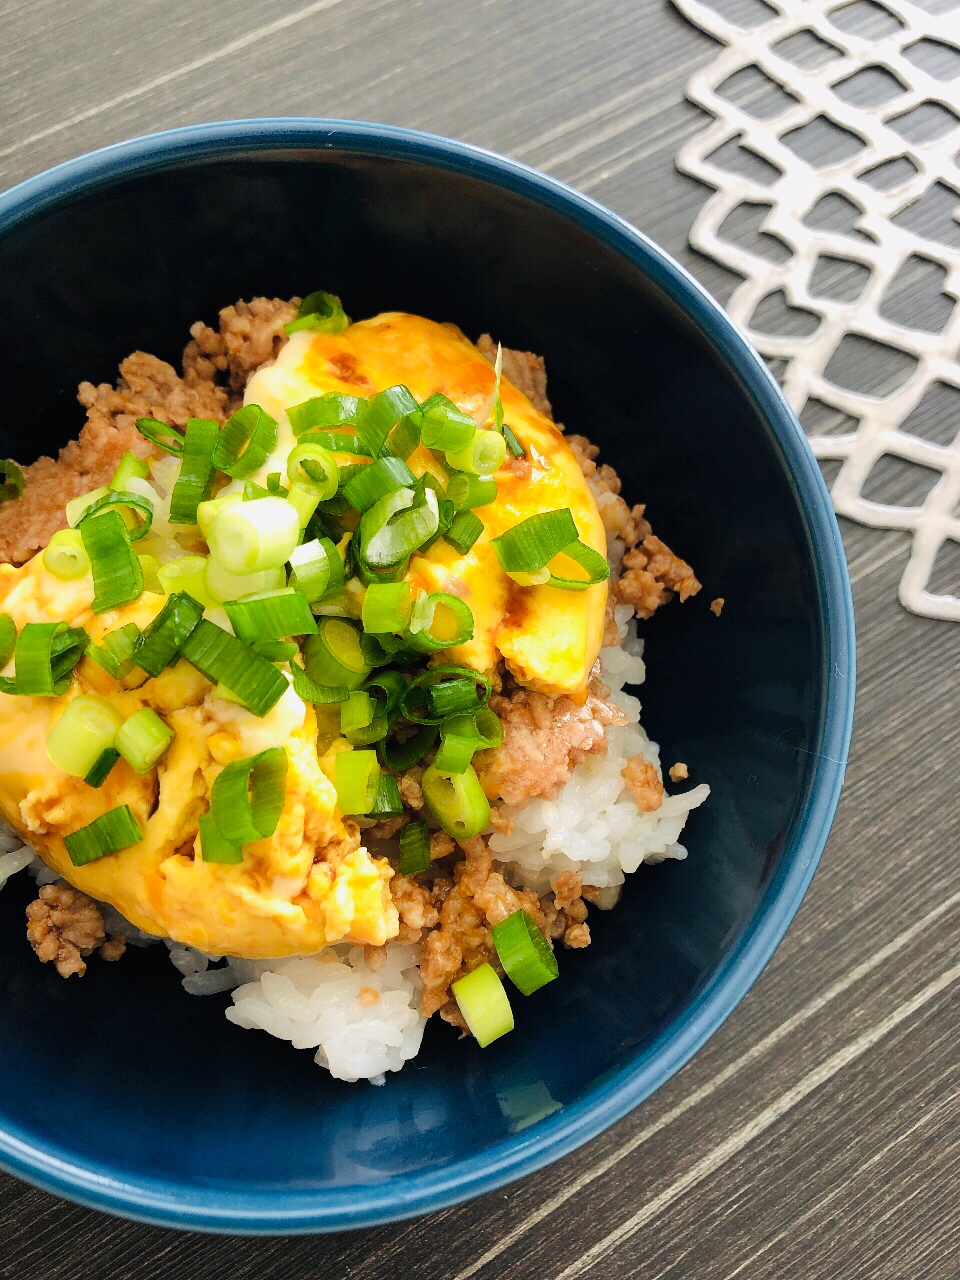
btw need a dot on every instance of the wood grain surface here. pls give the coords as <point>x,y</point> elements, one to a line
<point>815,1136</point>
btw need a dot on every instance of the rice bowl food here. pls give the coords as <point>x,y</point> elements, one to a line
<point>316,666</point>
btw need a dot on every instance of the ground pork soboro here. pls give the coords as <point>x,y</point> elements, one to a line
<point>644,783</point>
<point>525,370</point>
<point>652,574</point>
<point>543,740</point>
<point>250,334</point>
<point>64,925</point>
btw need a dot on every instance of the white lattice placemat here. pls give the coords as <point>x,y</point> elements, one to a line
<point>901,148</point>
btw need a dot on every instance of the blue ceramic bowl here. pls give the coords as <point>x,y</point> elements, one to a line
<point>123,1093</point>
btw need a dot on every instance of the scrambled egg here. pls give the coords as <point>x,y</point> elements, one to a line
<point>312,883</point>
<point>548,638</point>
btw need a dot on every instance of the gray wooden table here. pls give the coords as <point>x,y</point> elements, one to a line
<point>815,1136</point>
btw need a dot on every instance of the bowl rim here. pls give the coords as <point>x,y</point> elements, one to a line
<point>164,1202</point>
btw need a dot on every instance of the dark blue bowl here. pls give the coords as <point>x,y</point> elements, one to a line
<point>123,1093</point>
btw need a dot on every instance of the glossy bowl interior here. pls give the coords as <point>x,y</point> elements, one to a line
<point>121,1091</point>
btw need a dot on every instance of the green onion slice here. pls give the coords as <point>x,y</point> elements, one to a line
<point>387,803</point>
<point>457,801</point>
<point>86,729</point>
<point>334,655</point>
<point>277,650</point>
<point>143,739</point>
<point>414,847</point>
<point>497,401</point>
<point>525,551</point>
<point>186,573</point>
<point>386,607</point>
<point>316,568</point>
<point>329,410</point>
<point>250,536</point>
<point>357,780</point>
<point>468,491</point>
<point>313,467</point>
<point>513,444</point>
<point>404,437</point>
<point>369,484</point>
<point>221,585</point>
<point>225,660</point>
<point>319,312</point>
<point>11,485</point>
<point>115,652</point>
<point>114,830</point>
<point>102,767</point>
<point>464,531</point>
<point>342,442</point>
<point>164,638</point>
<point>396,526</point>
<point>197,471</point>
<point>363,719</point>
<point>208,511</point>
<point>481,456</point>
<point>438,621</point>
<point>271,615</point>
<point>117,573</point>
<point>381,414</point>
<point>443,426</point>
<point>399,754</point>
<point>246,799</point>
<point>444,691</point>
<point>130,467</point>
<point>45,655</point>
<point>77,507</point>
<point>524,952</point>
<point>65,556</point>
<point>484,1004</point>
<point>319,694</point>
<point>213,847</point>
<point>248,437</point>
<point>8,638</point>
<point>162,435</point>
<point>124,500</point>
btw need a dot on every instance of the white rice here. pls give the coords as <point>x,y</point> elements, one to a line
<point>314,1002</point>
<point>593,826</point>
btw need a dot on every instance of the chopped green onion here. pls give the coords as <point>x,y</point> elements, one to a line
<point>320,694</point>
<point>77,507</point>
<point>313,467</point>
<point>117,573</point>
<point>164,638</point>
<point>375,730</point>
<point>248,438</point>
<point>484,1004</point>
<point>525,551</point>
<point>277,650</point>
<point>513,444</point>
<point>466,491</point>
<point>464,531</point>
<point>438,621</point>
<point>150,567</point>
<point>404,437</point>
<point>208,511</point>
<point>319,312</point>
<point>395,527</point>
<point>114,830</point>
<point>115,652</point>
<point>489,728</point>
<point>388,803</point>
<point>524,952</point>
<point>143,739</point>
<point>271,615</point>
<point>162,435</point>
<point>448,690</point>
<point>397,755</point>
<point>127,502</point>
<point>457,801</point>
<point>356,776</point>
<point>316,568</point>
<point>452,697</point>
<point>334,657</point>
<point>86,729</point>
<point>329,410</point>
<point>196,470</point>
<point>386,607</point>
<point>343,442</point>
<point>213,847</point>
<point>392,685</point>
<point>458,741</point>
<point>381,414</point>
<point>369,484</point>
<point>225,660</point>
<point>65,556</point>
<point>130,467</point>
<point>414,847</point>
<point>357,712</point>
<point>221,585</point>
<point>497,401</point>
<point>45,655</point>
<point>8,638</point>
<point>102,767</point>
<point>303,500</point>
<point>481,456</point>
<point>443,426</point>
<point>12,483</point>
<point>247,797</point>
<point>186,573</point>
<point>251,536</point>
